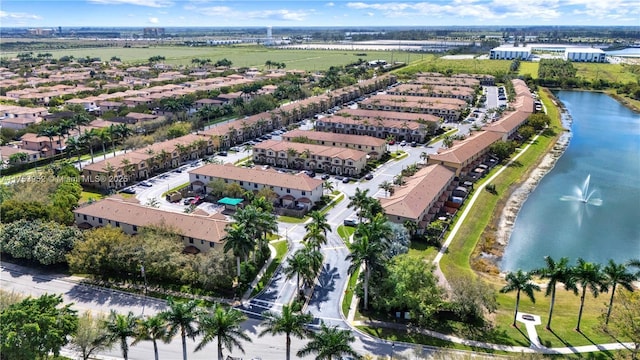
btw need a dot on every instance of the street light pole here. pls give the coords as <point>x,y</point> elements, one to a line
<point>144,277</point>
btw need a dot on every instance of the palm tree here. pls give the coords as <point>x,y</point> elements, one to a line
<point>49,132</point>
<point>73,146</point>
<point>313,261</point>
<point>104,138</point>
<point>315,237</point>
<point>636,264</point>
<point>589,276</point>
<point>238,240</point>
<point>556,272</point>
<point>319,221</point>
<point>328,186</point>
<point>296,265</point>
<point>368,249</point>
<point>289,322</point>
<point>223,324</point>
<point>181,316</point>
<point>520,281</point>
<point>152,328</point>
<point>617,274</point>
<point>411,226</point>
<point>358,200</point>
<point>120,327</point>
<point>87,138</point>
<point>387,186</point>
<point>329,342</point>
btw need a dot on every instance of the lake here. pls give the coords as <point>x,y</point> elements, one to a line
<point>555,220</point>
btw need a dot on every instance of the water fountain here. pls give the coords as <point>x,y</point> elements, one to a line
<point>583,194</point>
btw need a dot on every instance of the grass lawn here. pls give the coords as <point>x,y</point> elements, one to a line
<point>345,232</point>
<point>291,219</point>
<point>423,251</point>
<point>177,188</point>
<point>240,55</point>
<point>529,67</point>
<point>348,295</point>
<point>434,63</point>
<point>93,196</point>
<point>281,247</point>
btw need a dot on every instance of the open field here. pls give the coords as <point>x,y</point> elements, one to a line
<point>432,63</point>
<point>242,56</point>
<point>620,73</point>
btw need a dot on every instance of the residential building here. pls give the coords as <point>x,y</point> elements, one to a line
<point>421,197</point>
<point>445,108</point>
<point>464,93</point>
<point>202,232</point>
<point>374,147</point>
<point>7,151</point>
<point>291,189</point>
<point>300,156</point>
<point>465,154</point>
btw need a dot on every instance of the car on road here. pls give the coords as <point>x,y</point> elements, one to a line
<point>146,184</point>
<point>346,180</point>
<point>222,153</point>
<point>403,143</point>
<point>350,222</point>
<point>129,191</point>
<point>392,142</point>
<point>326,177</point>
<point>368,176</point>
<point>414,144</point>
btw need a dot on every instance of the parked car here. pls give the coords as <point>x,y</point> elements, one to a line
<point>350,222</point>
<point>392,142</point>
<point>222,153</point>
<point>414,144</point>
<point>369,176</point>
<point>129,191</point>
<point>326,177</point>
<point>403,143</point>
<point>346,180</point>
<point>146,184</point>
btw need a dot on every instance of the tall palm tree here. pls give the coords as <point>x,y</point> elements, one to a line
<point>617,274</point>
<point>328,186</point>
<point>319,221</point>
<point>120,327</point>
<point>181,316</point>
<point>223,324</point>
<point>411,226</point>
<point>152,328</point>
<point>238,240</point>
<point>104,137</point>
<point>74,145</point>
<point>589,276</point>
<point>49,132</point>
<point>289,322</point>
<point>328,343</point>
<point>296,265</point>
<point>313,260</point>
<point>387,186</point>
<point>556,272</point>
<point>88,138</point>
<point>315,237</point>
<point>520,282</point>
<point>358,200</point>
<point>368,251</point>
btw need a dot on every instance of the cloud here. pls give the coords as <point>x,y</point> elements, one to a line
<point>479,9</point>
<point>330,4</point>
<point>230,13</point>
<point>18,16</point>
<point>149,3</point>
<point>154,20</point>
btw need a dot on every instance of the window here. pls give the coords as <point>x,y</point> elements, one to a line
<point>84,217</point>
<point>288,191</point>
<point>135,228</point>
<point>304,193</point>
<point>117,223</point>
<point>100,220</point>
<point>197,176</point>
<point>190,240</point>
<point>210,244</point>
<point>255,186</point>
<point>241,183</point>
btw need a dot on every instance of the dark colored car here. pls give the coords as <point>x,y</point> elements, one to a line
<point>222,153</point>
<point>368,176</point>
<point>326,177</point>
<point>128,191</point>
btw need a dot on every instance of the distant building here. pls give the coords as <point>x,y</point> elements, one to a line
<point>153,32</point>
<point>581,54</point>
<point>510,53</point>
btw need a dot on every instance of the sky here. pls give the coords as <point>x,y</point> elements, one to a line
<point>302,13</point>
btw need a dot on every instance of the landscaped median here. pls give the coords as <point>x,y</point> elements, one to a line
<point>281,247</point>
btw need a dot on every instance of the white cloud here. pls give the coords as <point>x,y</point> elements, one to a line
<point>149,3</point>
<point>154,20</point>
<point>230,13</point>
<point>330,4</point>
<point>18,16</point>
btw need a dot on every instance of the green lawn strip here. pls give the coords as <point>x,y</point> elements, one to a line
<point>418,338</point>
<point>175,189</point>
<point>333,203</point>
<point>441,136</point>
<point>345,232</point>
<point>423,251</point>
<point>349,292</point>
<point>243,160</point>
<point>291,219</point>
<point>281,247</point>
